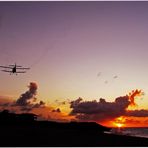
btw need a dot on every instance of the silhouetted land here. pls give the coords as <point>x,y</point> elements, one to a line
<point>23,130</point>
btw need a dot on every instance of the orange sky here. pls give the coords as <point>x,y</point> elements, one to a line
<point>122,112</point>
<point>125,121</point>
<point>129,122</point>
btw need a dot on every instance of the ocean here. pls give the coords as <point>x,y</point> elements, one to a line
<point>131,131</point>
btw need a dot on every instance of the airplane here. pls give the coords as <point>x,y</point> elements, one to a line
<point>13,69</point>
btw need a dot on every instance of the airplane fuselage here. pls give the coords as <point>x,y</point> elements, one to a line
<point>14,69</point>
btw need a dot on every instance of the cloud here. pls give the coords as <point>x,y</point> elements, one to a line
<point>61,102</point>
<point>134,94</point>
<point>29,95</point>
<point>137,113</point>
<point>28,102</point>
<point>102,110</point>
<point>47,113</point>
<point>136,121</point>
<point>95,110</point>
<point>56,110</point>
<point>5,98</point>
<point>40,104</point>
<point>99,110</point>
<point>5,102</point>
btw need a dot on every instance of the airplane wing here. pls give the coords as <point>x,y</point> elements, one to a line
<point>20,72</point>
<point>22,68</point>
<point>5,67</point>
<point>6,71</point>
<point>15,65</point>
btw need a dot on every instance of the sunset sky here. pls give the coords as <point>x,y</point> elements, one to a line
<point>90,50</point>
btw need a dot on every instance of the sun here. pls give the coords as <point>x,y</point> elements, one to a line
<point>119,122</point>
<point>119,125</point>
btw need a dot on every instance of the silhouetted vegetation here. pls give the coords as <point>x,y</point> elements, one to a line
<point>9,118</point>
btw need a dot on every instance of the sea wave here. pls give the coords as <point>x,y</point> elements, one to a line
<point>131,131</point>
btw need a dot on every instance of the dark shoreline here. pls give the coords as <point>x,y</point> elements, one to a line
<point>50,134</point>
<point>23,130</point>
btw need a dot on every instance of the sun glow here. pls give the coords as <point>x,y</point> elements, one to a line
<point>119,122</point>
